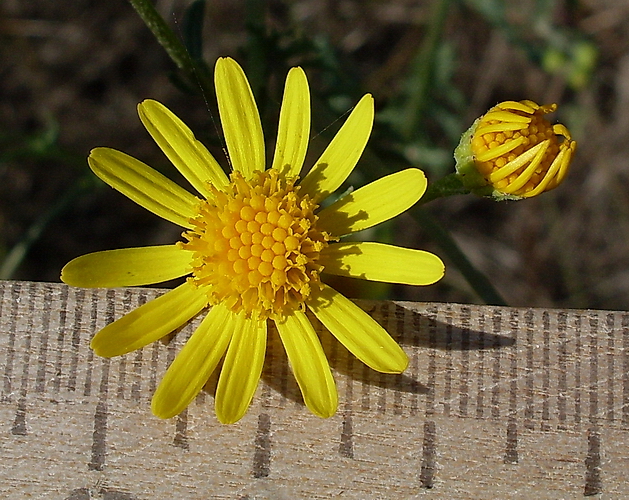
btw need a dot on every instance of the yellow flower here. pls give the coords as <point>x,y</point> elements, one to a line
<point>513,152</point>
<point>256,244</point>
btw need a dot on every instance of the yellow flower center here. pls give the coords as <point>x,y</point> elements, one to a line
<point>256,245</point>
<point>518,151</point>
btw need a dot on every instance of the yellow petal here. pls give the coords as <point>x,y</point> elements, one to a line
<point>309,364</point>
<point>374,203</point>
<point>380,262</point>
<point>192,367</point>
<point>239,117</point>
<point>241,370</point>
<point>342,154</point>
<point>149,322</point>
<point>524,176</point>
<point>178,143</point>
<point>358,332</point>
<point>294,128</point>
<point>128,267</point>
<point>144,185</point>
<point>525,158</point>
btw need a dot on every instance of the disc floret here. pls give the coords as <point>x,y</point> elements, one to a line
<point>256,245</point>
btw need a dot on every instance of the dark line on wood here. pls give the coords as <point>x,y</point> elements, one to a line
<point>5,393</point>
<point>99,436</point>
<point>136,387</point>
<point>495,393</point>
<point>414,409</point>
<point>8,367</point>
<point>432,361</point>
<point>63,314</point>
<point>181,431</point>
<point>40,379</point>
<point>593,389</point>
<point>382,392</point>
<point>511,453</point>
<point>137,376</point>
<point>399,387</point>
<point>611,376</point>
<point>270,365</point>
<point>262,452</point>
<point>127,297</point>
<point>429,453</point>
<point>480,373</point>
<point>87,386</point>
<point>127,306</point>
<point>366,375</point>
<point>545,372</point>
<point>447,382</point>
<point>76,338</point>
<point>384,379</point>
<point>346,447</point>
<point>154,362</point>
<point>110,306</point>
<point>562,322</point>
<point>464,385</point>
<point>144,296</point>
<point>577,369</point>
<point>19,424</point>
<point>122,377</point>
<point>284,374</point>
<point>593,482</point>
<point>171,351</point>
<point>625,369</point>
<point>529,409</point>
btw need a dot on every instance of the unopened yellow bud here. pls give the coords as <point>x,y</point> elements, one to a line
<point>513,152</point>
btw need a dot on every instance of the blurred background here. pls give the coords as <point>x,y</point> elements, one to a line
<point>72,73</point>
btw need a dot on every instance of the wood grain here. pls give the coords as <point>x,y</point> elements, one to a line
<point>497,402</point>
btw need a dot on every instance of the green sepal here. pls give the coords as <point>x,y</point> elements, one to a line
<point>500,196</point>
<point>465,164</point>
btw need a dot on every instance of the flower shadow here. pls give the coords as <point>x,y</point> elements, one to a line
<point>422,328</point>
<point>278,376</point>
<point>416,330</point>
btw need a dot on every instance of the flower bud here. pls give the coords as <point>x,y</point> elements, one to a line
<point>513,152</point>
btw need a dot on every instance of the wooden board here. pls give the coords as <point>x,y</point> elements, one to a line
<point>497,403</point>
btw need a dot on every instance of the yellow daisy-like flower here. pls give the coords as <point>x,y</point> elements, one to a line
<point>256,244</point>
<point>513,152</point>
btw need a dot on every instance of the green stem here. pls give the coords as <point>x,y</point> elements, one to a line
<point>449,185</point>
<point>175,49</point>
<point>163,33</point>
